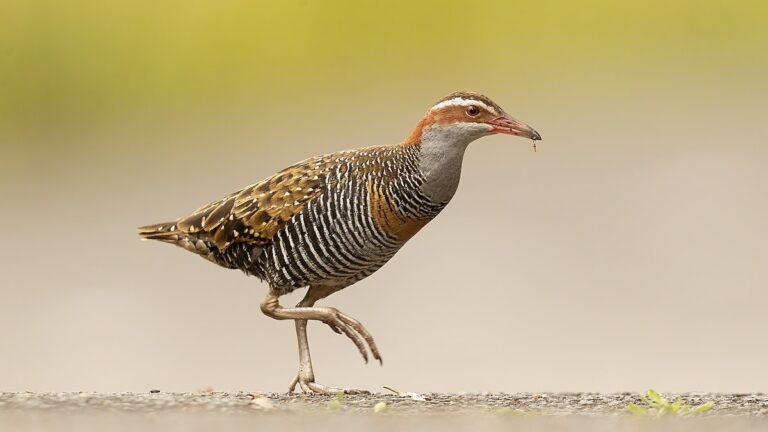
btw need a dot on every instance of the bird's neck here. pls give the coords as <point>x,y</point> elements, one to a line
<point>441,152</point>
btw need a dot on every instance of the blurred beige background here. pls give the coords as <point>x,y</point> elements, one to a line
<point>628,252</point>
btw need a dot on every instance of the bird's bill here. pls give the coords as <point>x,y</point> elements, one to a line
<point>511,126</point>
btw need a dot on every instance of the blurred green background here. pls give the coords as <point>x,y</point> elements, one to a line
<point>636,233</point>
<point>87,61</point>
<point>82,66</point>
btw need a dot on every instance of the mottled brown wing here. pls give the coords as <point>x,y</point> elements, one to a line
<point>256,213</point>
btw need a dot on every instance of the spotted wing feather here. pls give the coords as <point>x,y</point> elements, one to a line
<point>250,217</point>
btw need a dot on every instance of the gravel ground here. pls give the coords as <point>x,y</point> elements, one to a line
<point>557,404</point>
<point>205,411</point>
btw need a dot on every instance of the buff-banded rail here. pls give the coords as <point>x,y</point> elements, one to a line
<point>332,220</point>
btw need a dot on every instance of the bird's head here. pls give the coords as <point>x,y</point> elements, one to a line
<point>463,117</point>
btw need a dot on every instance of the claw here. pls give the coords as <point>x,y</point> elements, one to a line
<point>354,330</point>
<point>358,327</point>
<point>351,333</point>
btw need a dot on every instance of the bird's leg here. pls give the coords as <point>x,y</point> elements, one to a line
<point>339,322</point>
<point>306,373</point>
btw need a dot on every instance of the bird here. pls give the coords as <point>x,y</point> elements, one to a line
<point>330,221</point>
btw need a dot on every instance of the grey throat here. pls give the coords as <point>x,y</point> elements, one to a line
<point>442,152</point>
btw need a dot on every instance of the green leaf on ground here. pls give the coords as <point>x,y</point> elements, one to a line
<point>654,404</point>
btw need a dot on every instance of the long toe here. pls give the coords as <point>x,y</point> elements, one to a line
<point>292,387</point>
<point>355,331</point>
<point>358,327</point>
<point>321,389</point>
<point>309,386</point>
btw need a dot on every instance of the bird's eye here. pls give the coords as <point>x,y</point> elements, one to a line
<point>473,110</point>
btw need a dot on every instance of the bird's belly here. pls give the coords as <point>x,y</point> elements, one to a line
<point>318,249</point>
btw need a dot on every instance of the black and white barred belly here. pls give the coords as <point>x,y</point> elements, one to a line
<point>332,241</point>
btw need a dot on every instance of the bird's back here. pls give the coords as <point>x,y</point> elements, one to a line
<point>329,220</point>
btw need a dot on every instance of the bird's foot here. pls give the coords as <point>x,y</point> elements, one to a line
<point>353,329</point>
<point>309,386</point>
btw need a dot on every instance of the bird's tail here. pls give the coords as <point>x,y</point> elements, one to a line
<point>169,232</point>
<point>166,232</point>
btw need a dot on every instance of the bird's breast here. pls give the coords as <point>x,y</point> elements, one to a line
<point>386,213</point>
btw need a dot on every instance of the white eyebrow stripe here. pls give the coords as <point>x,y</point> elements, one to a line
<point>459,101</point>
